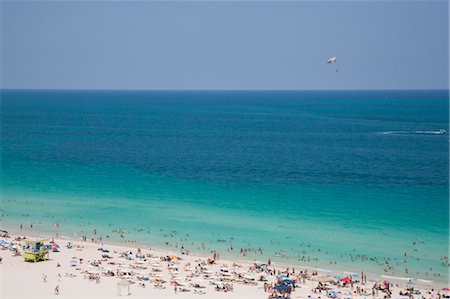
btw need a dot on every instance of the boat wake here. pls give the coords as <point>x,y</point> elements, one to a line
<point>440,132</point>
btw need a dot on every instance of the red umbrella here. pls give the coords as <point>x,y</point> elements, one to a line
<point>345,279</point>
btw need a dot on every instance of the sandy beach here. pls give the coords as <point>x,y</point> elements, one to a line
<point>80,268</point>
<point>225,149</point>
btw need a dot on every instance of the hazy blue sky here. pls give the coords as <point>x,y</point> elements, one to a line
<point>225,45</point>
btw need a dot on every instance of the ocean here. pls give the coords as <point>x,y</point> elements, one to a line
<point>337,180</point>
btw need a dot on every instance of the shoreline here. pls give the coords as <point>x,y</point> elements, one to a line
<point>373,277</point>
<point>353,248</point>
<point>87,269</point>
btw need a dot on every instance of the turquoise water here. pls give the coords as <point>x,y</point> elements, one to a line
<point>336,180</point>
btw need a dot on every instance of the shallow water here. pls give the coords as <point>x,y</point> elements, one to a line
<point>302,174</point>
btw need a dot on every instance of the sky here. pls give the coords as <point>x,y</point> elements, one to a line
<point>216,45</point>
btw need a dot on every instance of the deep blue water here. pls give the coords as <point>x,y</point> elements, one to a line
<point>339,170</point>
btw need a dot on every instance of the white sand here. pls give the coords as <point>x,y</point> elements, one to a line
<point>21,279</point>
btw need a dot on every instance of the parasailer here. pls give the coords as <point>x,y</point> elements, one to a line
<point>331,59</point>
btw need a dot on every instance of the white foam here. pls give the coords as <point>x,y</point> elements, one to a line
<point>323,270</point>
<point>412,133</point>
<point>425,281</point>
<point>397,277</point>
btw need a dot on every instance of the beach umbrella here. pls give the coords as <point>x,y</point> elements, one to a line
<point>384,281</point>
<point>282,276</point>
<point>281,287</point>
<point>345,279</point>
<point>288,281</point>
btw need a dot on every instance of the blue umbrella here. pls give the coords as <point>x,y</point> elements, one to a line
<point>288,281</point>
<point>281,287</point>
<point>282,276</point>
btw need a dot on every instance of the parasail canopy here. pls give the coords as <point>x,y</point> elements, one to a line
<point>331,59</point>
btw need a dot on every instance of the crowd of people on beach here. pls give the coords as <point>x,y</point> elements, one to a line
<point>273,280</point>
<point>304,254</point>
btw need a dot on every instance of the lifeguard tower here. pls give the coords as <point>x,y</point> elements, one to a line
<point>34,251</point>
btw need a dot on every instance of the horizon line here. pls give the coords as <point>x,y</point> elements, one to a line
<point>221,90</point>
